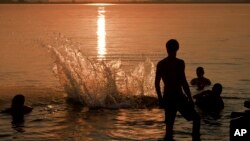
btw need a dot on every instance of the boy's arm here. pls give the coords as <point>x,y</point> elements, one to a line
<point>202,94</point>
<point>197,96</point>
<point>157,85</point>
<point>193,82</point>
<point>186,86</point>
<point>27,109</point>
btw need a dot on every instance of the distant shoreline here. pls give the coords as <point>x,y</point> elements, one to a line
<point>150,2</point>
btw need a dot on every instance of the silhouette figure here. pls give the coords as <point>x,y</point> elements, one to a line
<point>172,71</point>
<point>246,113</point>
<point>247,104</point>
<point>18,109</point>
<point>239,121</point>
<point>200,81</point>
<point>210,100</point>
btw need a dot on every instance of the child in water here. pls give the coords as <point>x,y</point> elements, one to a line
<point>18,109</point>
<point>210,100</point>
<point>200,81</point>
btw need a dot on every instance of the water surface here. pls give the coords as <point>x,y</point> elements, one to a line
<point>122,42</point>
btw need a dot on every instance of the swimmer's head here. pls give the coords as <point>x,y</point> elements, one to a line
<point>217,89</point>
<point>200,71</point>
<point>18,101</point>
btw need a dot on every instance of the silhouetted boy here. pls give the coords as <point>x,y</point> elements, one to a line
<point>210,100</point>
<point>172,71</point>
<point>200,81</point>
<point>18,109</point>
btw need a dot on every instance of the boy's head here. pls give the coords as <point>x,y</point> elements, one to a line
<point>172,46</point>
<point>217,89</point>
<point>18,101</point>
<point>200,72</point>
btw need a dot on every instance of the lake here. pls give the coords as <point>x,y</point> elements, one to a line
<point>90,52</point>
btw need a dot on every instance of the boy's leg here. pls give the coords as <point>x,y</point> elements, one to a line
<point>189,113</point>
<point>196,127</point>
<point>170,114</point>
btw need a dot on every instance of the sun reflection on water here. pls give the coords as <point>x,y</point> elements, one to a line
<point>101,33</point>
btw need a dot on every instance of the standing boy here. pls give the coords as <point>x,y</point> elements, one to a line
<point>172,71</point>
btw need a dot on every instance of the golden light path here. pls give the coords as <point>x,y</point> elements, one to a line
<point>101,33</point>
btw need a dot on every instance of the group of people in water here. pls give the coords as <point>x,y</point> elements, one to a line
<point>171,70</point>
<point>207,100</point>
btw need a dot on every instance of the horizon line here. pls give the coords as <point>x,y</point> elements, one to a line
<point>132,2</point>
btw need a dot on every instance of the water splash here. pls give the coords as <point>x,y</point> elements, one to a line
<point>99,83</point>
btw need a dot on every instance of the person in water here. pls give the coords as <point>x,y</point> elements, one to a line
<point>210,100</point>
<point>200,81</point>
<point>240,120</point>
<point>18,109</point>
<point>172,71</point>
